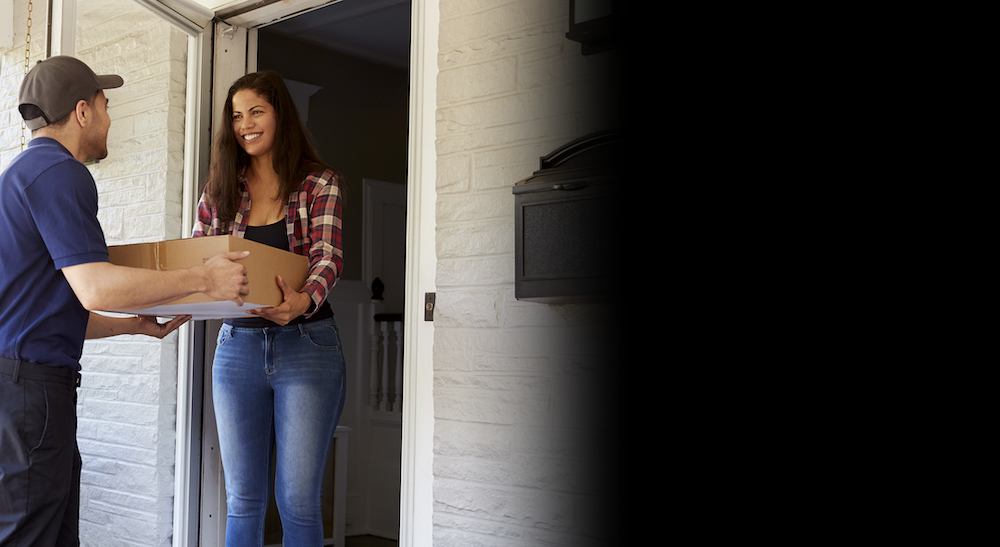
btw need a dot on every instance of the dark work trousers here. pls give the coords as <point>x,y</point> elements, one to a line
<point>39,459</point>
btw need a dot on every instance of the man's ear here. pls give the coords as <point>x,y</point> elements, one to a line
<point>82,112</point>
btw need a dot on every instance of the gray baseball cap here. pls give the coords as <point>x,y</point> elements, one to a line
<point>54,86</point>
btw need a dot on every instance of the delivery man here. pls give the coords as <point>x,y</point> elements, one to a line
<point>53,269</point>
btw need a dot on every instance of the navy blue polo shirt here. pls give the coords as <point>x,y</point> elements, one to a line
<point>48,221</point>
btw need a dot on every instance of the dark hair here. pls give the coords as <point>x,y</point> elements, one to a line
<point>33,112</point>
<point>293,158</point>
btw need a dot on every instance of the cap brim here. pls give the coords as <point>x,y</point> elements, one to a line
<point>109,81</point>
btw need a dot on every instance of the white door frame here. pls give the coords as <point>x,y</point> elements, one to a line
<point>416,490</point>
<point>416,498</point>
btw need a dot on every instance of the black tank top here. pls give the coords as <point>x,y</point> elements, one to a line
<point>275,236</point>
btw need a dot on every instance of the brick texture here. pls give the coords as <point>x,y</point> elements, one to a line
<point>520,415</point>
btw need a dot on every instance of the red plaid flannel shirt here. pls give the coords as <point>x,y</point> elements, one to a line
<point>313,221</point>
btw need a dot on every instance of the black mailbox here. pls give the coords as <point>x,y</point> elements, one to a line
<point>568,223</point>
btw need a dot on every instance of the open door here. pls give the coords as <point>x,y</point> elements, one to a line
<point>246,42</point>
<point>222,46</point>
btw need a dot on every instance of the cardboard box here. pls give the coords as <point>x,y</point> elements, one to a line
<point>263,266</point>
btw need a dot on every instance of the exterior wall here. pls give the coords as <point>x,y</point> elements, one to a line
<point>127,400</point>
<point>522,394</point>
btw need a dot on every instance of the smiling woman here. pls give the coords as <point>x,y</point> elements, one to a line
<point>278,377</point>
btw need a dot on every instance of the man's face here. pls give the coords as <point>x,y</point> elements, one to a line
<point>96,136</point>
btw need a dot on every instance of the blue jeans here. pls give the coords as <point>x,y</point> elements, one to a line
<point>283,388</point>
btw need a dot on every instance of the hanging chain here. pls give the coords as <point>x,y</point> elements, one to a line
<point>27,56</point>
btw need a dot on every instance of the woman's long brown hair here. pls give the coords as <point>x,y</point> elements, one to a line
<point>294,155</point>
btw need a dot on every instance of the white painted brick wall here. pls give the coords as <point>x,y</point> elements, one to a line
<point>518,409</point>
<point>127,401</point>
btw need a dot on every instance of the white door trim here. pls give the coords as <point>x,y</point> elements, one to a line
<point>417,475</point>
<point>187,455</point>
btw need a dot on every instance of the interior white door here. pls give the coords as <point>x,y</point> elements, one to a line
<point>385,239</point>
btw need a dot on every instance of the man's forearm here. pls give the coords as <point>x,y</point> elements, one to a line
<point>102,326</point>
<point>105,286</point>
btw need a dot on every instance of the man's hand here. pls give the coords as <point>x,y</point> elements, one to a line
<point>294,304</point>
<point>102,326</point>
<point>149,326</point>
<point>227,279</point>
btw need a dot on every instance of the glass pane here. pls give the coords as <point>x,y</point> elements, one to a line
<point>140,182</point>
<point>126,432</point>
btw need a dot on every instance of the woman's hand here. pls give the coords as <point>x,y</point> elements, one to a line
<point>293,305</point>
